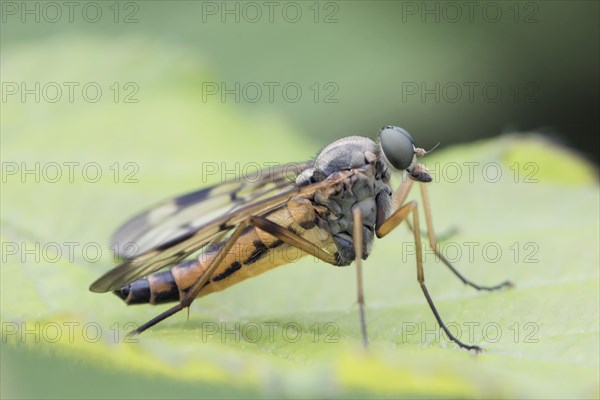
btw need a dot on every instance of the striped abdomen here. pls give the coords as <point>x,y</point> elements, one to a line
<point>255,252</point>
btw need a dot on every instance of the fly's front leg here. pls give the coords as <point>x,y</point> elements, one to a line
<point>433,244</point>
<point>399,197</point>
<point>386,227</point>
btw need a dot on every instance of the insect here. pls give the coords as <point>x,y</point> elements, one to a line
<point>332,209</point>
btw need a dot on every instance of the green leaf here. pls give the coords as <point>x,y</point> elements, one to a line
<point>525,210</point>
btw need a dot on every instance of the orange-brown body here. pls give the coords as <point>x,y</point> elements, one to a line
<point>253,253</point>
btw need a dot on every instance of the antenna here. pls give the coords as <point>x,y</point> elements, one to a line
<point>421,152</point>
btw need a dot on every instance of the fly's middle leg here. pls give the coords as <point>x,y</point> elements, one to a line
<point>357,236</point>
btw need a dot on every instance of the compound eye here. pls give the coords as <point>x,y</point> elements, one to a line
<point>398,146</point>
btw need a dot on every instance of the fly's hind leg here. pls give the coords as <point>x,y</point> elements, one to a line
<point>386,227</point>
<point>433,244</point>
<point>285,235</point>
<point>193,291</point>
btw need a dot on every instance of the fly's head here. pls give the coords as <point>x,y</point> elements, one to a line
<point>400,153</point>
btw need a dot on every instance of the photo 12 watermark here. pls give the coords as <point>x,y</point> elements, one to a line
<point>472,332</point>
<point>269,332</point>
<point>68,172</point>
<point>454,12</point>
<point>44,253</point>
<point>270,92</point>
<point>53,12</point>
<point>469,92</point>
<point>65,331</point>
<point>489,252</point>
<point>466,172</point>
<point>69,92</point>
<point>252,12</point>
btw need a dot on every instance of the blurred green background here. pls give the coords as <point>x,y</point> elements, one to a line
<point>162,68</point>
<point>499,66</point>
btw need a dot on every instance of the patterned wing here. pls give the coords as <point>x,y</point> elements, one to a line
<point>175,219</point>
<point>173,230</point>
